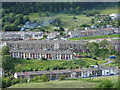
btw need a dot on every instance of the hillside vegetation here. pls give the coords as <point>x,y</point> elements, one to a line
<point>16,14</point>
<point>36,64</point>
<point>71,83</point>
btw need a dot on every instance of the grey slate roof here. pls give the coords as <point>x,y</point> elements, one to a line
<point>42,51</point>
<point>64,71</point>
<point>47,41</point>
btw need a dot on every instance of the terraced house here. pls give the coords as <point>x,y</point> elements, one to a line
<point>50,49</point>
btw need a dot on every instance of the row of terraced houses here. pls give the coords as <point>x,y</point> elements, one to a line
<point>73,73</point>
<point>50,49</point>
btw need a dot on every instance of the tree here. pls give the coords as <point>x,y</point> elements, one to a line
<point>62,29</point>
<point>7,28</point>
<point>111,49</point>
<point>20,18</point>
<point>25,19</point>
<point>47,13</point>
<point>7,63</point>
<point>18,68</point>
<point>103,43</point>
<point>92,21</point>
<point>5,51</point>
<point>16,22</point>
<point>93,48</point>
<point>71,10</point>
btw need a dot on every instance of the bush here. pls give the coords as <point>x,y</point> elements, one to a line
<point>116,85</point>
<point>22,80</point>
<point>36,78</point>
<point>105,84</point>
<point>44,78</point>
<point>28,59</point>
<point>44,58</point>
<point>74,17</point>
<point>15,81</point>
<point>6,82</point>
<point>62,77</point>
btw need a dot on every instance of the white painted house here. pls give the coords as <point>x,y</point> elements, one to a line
<point>109,70</point>
<point>114,16</point>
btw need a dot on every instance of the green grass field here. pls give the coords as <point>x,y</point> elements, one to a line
<point>71,83</point>
<point>95,37</point>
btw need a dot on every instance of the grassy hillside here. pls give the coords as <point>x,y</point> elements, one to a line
<point>73,83</point>
<point>57,84</point>
<point>67,20</point>
<point>108,11</point>
<point>95,37</point>
<point>54,64</point>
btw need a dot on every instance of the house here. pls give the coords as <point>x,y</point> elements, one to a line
<point>70,73</point>
<point>114,16</point>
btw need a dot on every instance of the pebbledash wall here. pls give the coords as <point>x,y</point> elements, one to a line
<point>50,49</point>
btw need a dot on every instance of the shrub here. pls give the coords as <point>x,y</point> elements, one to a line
<point>62,77</point>
<point>36,78</point>
<point>22,80</point>
<point>28,59</point>
<point>116,85</point>
<point>74,17</point>
<point>44,78</point>
<point>105,84</point>
<point>44,58</point>
<point>6,82</point>
<point>15,81</point>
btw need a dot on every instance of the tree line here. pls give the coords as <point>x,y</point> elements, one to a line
<point>55,7</point>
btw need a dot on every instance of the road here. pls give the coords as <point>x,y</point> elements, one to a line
<point>108,62</point>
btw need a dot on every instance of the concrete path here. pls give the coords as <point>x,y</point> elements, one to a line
<point>108,62</point>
